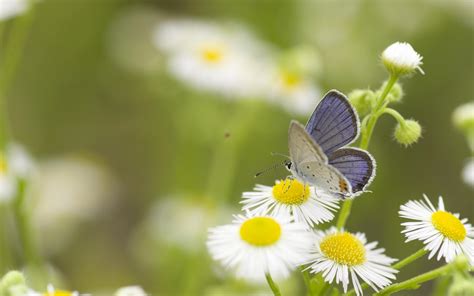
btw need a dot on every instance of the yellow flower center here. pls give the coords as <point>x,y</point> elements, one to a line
<point>212,54</point>
<point>343,248</point>
<point>448,225</point>
<point>58,293</point>
<point>3,163</point>
<point>291,192</point>
<point>260,231</point>
<point>290,80</point>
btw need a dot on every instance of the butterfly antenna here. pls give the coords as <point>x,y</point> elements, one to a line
<point>279,154</point>
<point>271,168</point>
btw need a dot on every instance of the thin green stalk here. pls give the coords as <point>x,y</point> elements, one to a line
<point>397,266</point>
<point>366,135</point>
<point>30,252</point>
<point>394,113</point>
<point>410,259</point>
<point>414,282</point>
<point>311,288</point>
<point>367,132</point>
<point>273,285</point>
<point>344,214</point>
<point>14,48</point>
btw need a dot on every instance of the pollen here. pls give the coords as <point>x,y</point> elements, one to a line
<point>343,248</point>
<point>212,54</point>
<point>291,192</point>
<point>290,80</point>
<point>260,231</point>
<point>450,226</point>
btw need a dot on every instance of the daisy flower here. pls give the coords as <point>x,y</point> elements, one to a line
<point>214,57</point>
<point>294,91</point>
<point>12,8</point>
<point>305,204</point>
<point>400,59</point>
<point>254,246</point>
<point>344,256</point>
<point>51,291</point>
<point>442,232</point>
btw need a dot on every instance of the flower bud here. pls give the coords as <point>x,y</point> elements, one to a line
<point>463,284</point>
<point>468,172</point>
<point>463,116</point>
<point>13,284</point>
<point>362,100</point>
<point>401,59</point>
<point>396,93</point>
<point>407,132</point>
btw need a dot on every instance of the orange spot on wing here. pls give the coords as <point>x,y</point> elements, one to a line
<point>343,185</point>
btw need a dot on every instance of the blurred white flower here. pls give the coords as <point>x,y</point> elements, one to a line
<point>129,43</point>
<point>16,165</point>
<point>11,8</point>
<point>190,218</point>
<point>51,291</point>
<point>293,91</point>
<point>400,59</point>
<point>67,191</point>
<point>468,173</point>
<point>253,246</point>
<point>223,58</point>
<point>131,291</point>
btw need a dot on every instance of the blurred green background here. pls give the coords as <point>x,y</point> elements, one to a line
<point>158,139</point>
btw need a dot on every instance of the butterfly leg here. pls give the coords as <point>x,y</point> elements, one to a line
<point>291,178</point>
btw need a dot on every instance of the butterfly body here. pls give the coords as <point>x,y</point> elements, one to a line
<point>317,152</point>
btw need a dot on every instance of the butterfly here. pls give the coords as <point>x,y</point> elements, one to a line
<point>318,155</point>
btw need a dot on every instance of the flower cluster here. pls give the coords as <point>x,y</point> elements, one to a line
<point>279,230</point>
<point>225,58</point>
<point>276,235</point>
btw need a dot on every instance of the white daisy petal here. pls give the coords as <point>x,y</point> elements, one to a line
<point>254,245</point>
<point>339,255</point>
<point>303,203</point>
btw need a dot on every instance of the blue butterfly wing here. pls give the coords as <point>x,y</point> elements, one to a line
<point>358,166</point>
<point>334,123</point>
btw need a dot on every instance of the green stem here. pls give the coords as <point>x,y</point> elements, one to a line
<point>414,282</point>
<point>344,214</point>
<point>273,285</point>
<point>311,288</point>
<point>398,266</point>
<point>410,259</point>
<point>30,253</point>
<point>367,132</point>
<point>366,135</point>
<point>14,48</point>
<point>394,114</point>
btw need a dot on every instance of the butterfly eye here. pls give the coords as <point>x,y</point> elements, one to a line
<point>288,165</point>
